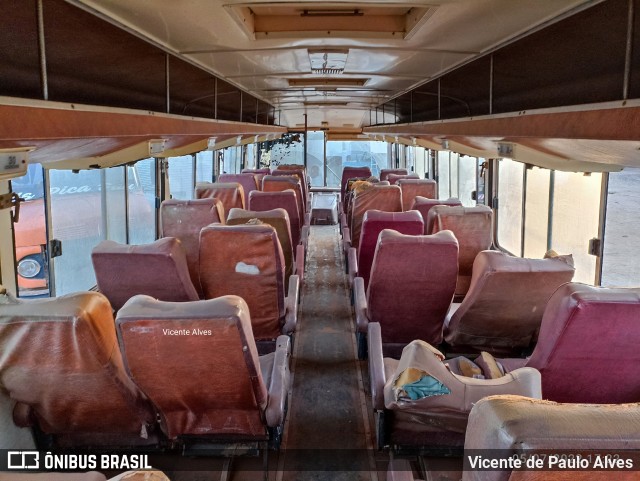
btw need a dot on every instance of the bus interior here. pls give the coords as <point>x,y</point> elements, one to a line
<point>309,240</point>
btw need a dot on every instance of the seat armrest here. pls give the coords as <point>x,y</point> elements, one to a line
<point>346,236</point>
<point>343,222</point>
<point>304,236</point>
<point>307,219</point>
<point>352,261</point>
<point>360,305</point>
<point>300,262</point>
<point>376,365</point>
<point>291,305</point>
<point>279,387</point>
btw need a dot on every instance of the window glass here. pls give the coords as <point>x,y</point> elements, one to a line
<point>537,213</point>
<point>181,177</point>
<point>509,212</point>
<point>114,204</point>
<point>453,175</point>
<point>443,174</point>
<point>576,213</point>
<point>204,166</point>
<point>372,154</point>
<point>31,234</point>
<point>76,220</point>
<point>315,158</point>
<point>621,262</point>
<point>467,172</point>
<point>232,160</point>
<point>141,178</point>
<point>421,162</point>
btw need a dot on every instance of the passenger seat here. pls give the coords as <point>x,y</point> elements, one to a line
<point>199,365</point>
<point>159,269</point>
<point>412,281</point>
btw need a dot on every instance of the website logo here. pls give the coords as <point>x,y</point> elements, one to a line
<point>23,459</point>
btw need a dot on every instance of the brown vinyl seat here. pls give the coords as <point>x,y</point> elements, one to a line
<point>300,172</point>
<point>384,173</point>
<point>423,205</point>
<point>258,174</point>
<point>279,220</point>
<point>472,226</point>
<point>247,261</point>
<point>350,173</point>
<point>387,198</point>
<point>62,366</point>
<point>279,183</point>
<point>231,194</point>
<point>420,403</point>
<point>410,289</point>
<point>516,424</point>
<point>247,180</point>
<point>159,269</point>
<point>587,349</point>
<point>203,372</point>
<point>412,188</point>
<point>375,221</point>
<point>286,199</point>
<point>183,220</point>
<point>395,178</point>
<point>503,309</point>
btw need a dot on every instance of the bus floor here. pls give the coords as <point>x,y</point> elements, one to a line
<point>329,432</point>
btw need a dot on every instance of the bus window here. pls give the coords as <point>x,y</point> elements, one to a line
<point>576,215</point>
<point>181,183</point>
<point>77,220</point>
<point>141,179</point>
<point>30,234</point>
<point>536,212</point>
<point>204,166</point>
<point>340,154</point>
<point>443,174</point>
<point>467,179</point>
<point>620,263</point>
<point>509,213</point>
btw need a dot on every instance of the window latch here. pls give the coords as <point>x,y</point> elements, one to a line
<point>595,245</point>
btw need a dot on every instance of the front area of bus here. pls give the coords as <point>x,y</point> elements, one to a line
<point>319,240</point>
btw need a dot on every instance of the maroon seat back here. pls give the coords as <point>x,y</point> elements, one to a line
<point>472,226</point>
<point>207,382</point>
<point>424,205</point>
<point>247,181</point>
<point>587,351</point>
<point>350,173</point>
<point>412,188</point>
<point>278,183</point>
<point>300,173</point>
<point>158,269</point>
<point>276,218</point>
<point>246,261</point>
<point>261,201</point>
<point>231,194</point>
<point>503,309</point>
<point>374,222</point>
<point>387,198</point>
<point>384,173</point>
<point>61,363</point>
<point>258,174</point>
<point>394,178</point>
<point>183,220</point>
<point>413,278</point>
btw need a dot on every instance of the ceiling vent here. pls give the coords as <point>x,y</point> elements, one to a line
<point>328,62</point>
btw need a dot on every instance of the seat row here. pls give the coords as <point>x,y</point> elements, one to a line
<point>162,374</point>
<point>585,353</point>
<point>502,427</point>
<point>251,256</point>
